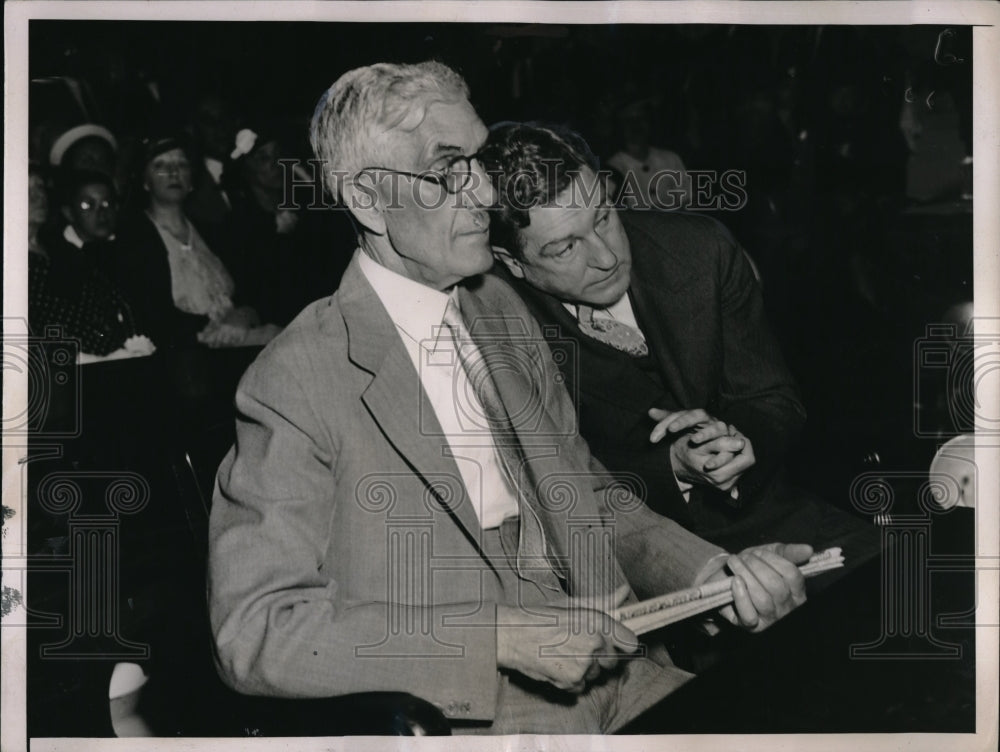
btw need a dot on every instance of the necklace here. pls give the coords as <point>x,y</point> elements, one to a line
<point>185,243</point>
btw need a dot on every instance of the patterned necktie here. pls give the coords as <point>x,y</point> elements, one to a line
<point>531,560</point>
<point>619,335</point>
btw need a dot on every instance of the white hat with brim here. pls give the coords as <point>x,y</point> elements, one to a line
<point>74,134</point>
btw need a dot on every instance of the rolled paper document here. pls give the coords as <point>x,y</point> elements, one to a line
<point>662,610</point>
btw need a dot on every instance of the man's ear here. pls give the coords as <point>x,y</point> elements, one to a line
<point>513,265</point>
<point>362,200</point>
<point>67,214</point>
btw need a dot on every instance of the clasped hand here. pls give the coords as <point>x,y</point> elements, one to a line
<point>704,450</point>
<point>231,329</point>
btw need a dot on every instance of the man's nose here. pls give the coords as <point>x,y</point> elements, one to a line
<point>603,255</point>
<point>483,194</point>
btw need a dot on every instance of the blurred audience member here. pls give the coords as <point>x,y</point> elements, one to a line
<point>213,128</point>
<point>180,287</point>
<point>285,253</point>
<point>651,177</point>
<point>89,204</point>
<point>263,232</point>
<point>66,290</point>
<point>85,147</point>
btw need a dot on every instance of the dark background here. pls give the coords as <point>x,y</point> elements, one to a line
<point>862,239</point>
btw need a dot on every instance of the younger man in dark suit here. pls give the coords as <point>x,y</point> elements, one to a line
<point>679,382</point>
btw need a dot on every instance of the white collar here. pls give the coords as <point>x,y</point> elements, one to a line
<point>415,308</point>
<point>214,167</point>
<point>72,236</point>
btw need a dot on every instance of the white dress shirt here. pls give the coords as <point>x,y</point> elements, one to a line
<point>417,311</point>
<point>621,310</point>
<point>214,169</point>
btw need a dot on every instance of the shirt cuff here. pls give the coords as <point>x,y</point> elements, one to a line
<point>685,488</point>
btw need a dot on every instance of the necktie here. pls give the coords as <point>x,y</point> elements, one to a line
<point>531,560</point>
<point>619,335</point>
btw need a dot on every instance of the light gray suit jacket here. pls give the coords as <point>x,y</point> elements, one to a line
<point>344,553</point>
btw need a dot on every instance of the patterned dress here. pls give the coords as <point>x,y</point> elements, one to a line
<point>66,290</point>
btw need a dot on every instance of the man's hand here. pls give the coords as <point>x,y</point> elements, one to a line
<point>767,584</point>
<point>705,450</point>
<point>568,647</point>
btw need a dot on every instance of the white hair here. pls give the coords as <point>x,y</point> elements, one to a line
<point>355,114</point>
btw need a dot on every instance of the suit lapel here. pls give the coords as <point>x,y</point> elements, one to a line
<point>395,398</point>
<point>663,308</point>
<point>654,312</point>
<point>511,355</point>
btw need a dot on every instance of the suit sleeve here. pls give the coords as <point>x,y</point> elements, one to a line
<point>757,393</point>
<point>280,626</point>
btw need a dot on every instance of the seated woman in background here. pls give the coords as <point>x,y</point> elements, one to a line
<point>180,287</point>
<point>284,254</point>
<point>67,290</point>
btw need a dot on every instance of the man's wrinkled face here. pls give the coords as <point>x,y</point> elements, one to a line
<point>576,248</point>
<point>441,238</point>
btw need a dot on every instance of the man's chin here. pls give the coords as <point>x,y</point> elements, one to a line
<point>605,298</point>
<point>482,261</point>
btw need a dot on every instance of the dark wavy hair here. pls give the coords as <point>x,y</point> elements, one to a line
<point>70,182</point>
<point>530,164</point>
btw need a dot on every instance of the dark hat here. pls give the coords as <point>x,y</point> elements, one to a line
<point>153,146</point>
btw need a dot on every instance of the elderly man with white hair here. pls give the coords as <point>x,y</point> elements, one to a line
<point>409,505</point>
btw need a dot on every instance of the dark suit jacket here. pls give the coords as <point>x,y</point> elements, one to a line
<point>699,305</point>
<point>344,554</point>
<point>141,269</point>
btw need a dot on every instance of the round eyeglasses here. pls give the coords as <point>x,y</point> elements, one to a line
<point>454,177</point>
<point>168,168</point>
<point>92,206</point>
